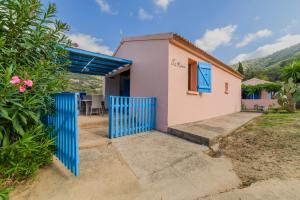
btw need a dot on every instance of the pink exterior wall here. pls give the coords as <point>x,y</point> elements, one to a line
<point>264,101</point>
<point>264,94</point>
<point>149,73</point>
<point>152,74</point>
<point>250,103</point>
<point>183,107</point>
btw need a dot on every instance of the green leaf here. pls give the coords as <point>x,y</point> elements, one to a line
<point>4,113</point>
<point>17,104</point>
<point>17,126</point>
<point>1,137</point>
<point>34,116</point>
<point>8,73</point>
<point>23,118</point>
<point>5,192</point>
<point>5,140</point>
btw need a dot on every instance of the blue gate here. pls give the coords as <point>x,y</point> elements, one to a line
<point>131,115</point>
<point>65,130</point>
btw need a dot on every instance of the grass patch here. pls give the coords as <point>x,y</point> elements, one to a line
<point>267,147</point>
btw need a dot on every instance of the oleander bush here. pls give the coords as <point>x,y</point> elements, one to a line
<point>32,64</point>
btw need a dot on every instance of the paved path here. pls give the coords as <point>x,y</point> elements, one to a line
<point>170,168</point>
<point>148,166</point>
<point>103,175</point>
<point>93,131</point>
<point>208,131</point>
<point>152,166</point>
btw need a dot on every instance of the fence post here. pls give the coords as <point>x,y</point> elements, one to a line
<point>130,115</point>
<point>154,113</point>
<point>110,120</point>
<point>76,135</point>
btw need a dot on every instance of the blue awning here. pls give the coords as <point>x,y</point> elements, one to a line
<point>86,62</point>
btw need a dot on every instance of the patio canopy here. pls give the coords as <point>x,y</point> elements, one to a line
<point>86,62</point>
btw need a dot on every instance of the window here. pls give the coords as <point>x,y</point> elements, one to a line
<point>192,79</point>
<point>204,77</point>
<point>226,88</point>
<point>255,95</point>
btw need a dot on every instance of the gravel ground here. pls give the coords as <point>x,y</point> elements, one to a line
<point>267,147</point>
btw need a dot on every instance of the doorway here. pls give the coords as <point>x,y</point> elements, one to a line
<point>125,83</point>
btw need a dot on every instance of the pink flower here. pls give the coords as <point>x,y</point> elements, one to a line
<point>15,80</point>
<point>22,89</point>
<point>28,83</point>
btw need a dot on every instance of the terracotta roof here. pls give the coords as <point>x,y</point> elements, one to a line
<point>255,81</point>
<point>176,38</point>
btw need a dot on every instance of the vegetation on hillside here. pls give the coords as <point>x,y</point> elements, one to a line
<point>240,68</point>
<point>84,83</point>
<point>289,95</point>
<point>270,67</point>
<point>29,75</point>
<point>292,71</point>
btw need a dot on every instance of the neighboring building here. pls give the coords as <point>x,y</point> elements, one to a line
<point>261,98</point>
<point>189,84</point>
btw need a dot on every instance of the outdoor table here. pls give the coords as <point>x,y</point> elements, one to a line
<point>87,103</point>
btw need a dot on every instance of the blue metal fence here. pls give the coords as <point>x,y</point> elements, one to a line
<point>65,130</point>
<point>131,115</point>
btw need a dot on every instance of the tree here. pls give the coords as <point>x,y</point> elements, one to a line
<point>292,71</point>
<point>288,95</point>
<point>240,68</point>
<point>32,69</point>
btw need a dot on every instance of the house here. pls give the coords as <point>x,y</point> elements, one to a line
<point>188,83</point>
<point>261,98</point>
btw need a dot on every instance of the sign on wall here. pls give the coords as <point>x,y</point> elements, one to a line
<point>176,63</point>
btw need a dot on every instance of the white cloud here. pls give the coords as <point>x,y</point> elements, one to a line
<point>105,7</point>
<point>254,36</point>
<point>265,50</point>
<point>163,3</point>
<point>144,15</point>
<point>212,39</point>
<point>90,43</point>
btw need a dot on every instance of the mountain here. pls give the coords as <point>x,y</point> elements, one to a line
<point>270,66</point>
<point>84,83</point>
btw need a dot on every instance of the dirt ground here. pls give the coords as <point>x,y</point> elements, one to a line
<point>94,121</point>
<point>267,147</point>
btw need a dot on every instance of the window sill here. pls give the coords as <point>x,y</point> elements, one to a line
<point>192,92</point>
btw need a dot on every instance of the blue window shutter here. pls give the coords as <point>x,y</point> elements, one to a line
<point>204,77</point>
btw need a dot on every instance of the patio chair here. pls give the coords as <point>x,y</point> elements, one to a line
<point>96,104</point>
<point>86,104</point>
<point>103,109</point>
<point>79,104</point>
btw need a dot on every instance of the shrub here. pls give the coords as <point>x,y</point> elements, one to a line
<point>4,193</point>
<point>270,87</point>
<point>26,155</point>
<point>292,71</point>
<point>31,70</point>
<point>288,95</point>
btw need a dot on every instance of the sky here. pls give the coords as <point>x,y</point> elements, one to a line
<point>231,30</point>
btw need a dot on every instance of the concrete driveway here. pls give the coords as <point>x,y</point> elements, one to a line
<point>152,165</point>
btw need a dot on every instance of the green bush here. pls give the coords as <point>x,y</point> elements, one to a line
<point>4,193</point>
<point>288,95</point>
<point>31,71</point>
<point>270,87</point>
<point>26,155</point>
